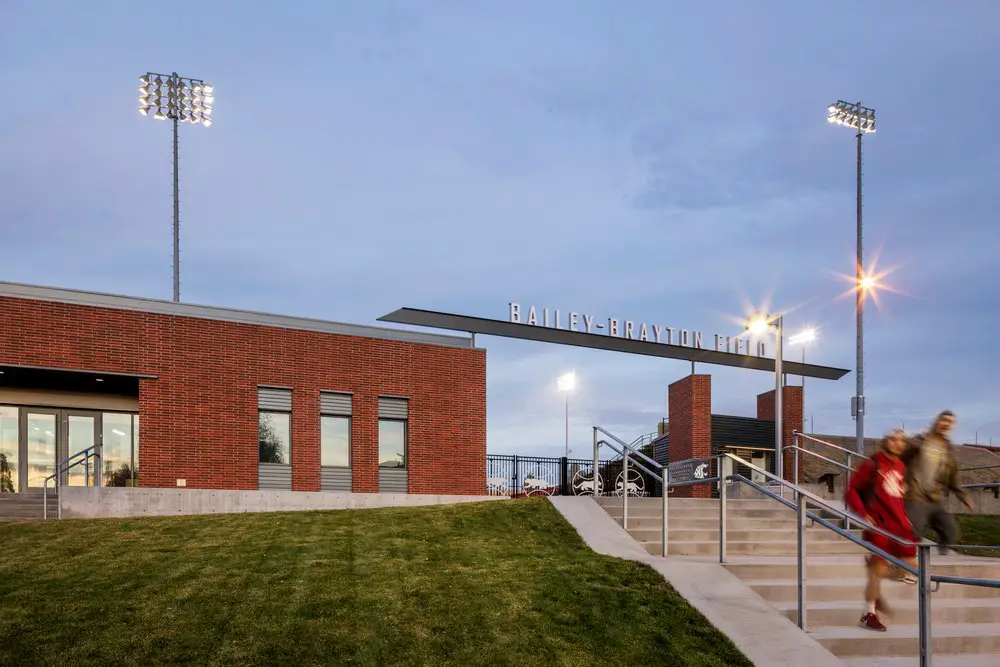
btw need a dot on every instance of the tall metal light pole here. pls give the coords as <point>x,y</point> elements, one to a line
<point>861,118</point>
<point>566,384</point>
<point>182,100</point>
<point>759,324</point>
<point>803,338</point>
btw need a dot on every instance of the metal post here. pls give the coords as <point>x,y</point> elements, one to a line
<point>666,481</point>
<point>802,560</point>
<point>804,423</point>
<point>625,489</point>
<point>924,603</point>
<point>795,459</point>
<point>859,400</point>
<point>567,424</point>
<point>177,213</point>
<point>722,516</point>
<point>597,490</point>
<point>45,499</point>
<point>779,458</point>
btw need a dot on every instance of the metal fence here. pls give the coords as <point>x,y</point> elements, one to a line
<point>517,476</point>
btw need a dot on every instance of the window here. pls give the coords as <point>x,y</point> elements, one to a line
<point>391,443</point>
<point>335,429</point>
<point>8,449</point>
<point>119,431</point>
<point>274,437</point>
<point>335,441</point>
<point>274,425</point>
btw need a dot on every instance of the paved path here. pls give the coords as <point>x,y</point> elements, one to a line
<point>764,635</point>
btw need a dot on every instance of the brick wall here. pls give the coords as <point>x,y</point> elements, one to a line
<point>198,419</point>
<point>690,408</point>
<point>791,419</point>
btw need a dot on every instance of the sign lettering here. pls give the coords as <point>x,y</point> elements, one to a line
<point>632,330</point>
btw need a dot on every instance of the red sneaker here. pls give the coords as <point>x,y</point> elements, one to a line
<point>870,621</point>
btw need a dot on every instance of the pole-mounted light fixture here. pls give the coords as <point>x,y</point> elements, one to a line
<point>181,100</point>
<point>758,325</point>
<point>862,119</point>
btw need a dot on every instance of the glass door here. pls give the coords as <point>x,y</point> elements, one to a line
<point>38,433</point>
<point>79,433</point>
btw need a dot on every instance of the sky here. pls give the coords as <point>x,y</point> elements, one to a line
<point>647,160</point>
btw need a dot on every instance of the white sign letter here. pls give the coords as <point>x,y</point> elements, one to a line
<point>532,316</point>
<point>515,312</point>
<point>643,334</point>
<point>684,337</point>
<point>572,321</point>
<point>670,335</point>
<point>697,339</point>
<point>588,320</point>
<point>657,330</point>
<point>545,312</point>
<point>558,326</point>
<point>629,325</point>
<point>612,326</point>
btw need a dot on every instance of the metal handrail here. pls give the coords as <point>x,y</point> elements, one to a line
<point>829,444</point>
<point>646,470</point>
<point>61,468</point>
<point>803,497</point>
<point>664,479</point>
<point>796,449</point>
<point>621,442</point>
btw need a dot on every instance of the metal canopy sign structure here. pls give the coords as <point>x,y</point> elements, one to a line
<point>620,337</point>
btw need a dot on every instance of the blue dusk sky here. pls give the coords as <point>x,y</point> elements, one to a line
<point>666,162</point>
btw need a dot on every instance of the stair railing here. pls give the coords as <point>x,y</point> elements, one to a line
<point>626,451</point>
<point>796,448</point>
<point>64,467</point>
<point>802,498</point>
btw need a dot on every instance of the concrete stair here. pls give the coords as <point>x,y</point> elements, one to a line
<point>761,551</point>
<point>27,506</point>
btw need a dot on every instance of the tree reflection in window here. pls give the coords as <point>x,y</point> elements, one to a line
<point>273,437</point>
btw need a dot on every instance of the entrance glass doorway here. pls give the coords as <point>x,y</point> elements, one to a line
<point>33,440</point>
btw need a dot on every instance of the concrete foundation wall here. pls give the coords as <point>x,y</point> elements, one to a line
<point>95,502</point>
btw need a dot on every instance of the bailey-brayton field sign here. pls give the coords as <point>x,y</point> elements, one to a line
<point>630,330</point>
<point>578,329</point>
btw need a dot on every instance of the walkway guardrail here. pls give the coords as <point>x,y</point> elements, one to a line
<point>64,467</point>
<point>796,448</point>
<point>802,500</point>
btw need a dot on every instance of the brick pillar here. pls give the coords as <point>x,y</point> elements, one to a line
<point>690,410</point>
<point>791,420</point>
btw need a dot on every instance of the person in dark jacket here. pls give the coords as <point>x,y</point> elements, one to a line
<point>931,475</point>
<point>875,491</point>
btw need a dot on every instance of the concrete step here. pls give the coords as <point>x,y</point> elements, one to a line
<point>679,521</point>
<point>776,513</point>
<point>778,591</point>
<point>901,640</point>
<point>687,503</point>
<point>817,534</point>
<point>848,613</point>
<point>819,568</point>
<point>749,547</point>
<point>947,660</point>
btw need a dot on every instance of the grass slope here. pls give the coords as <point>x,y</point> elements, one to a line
<point>980,529</point>
<point>500,583</point>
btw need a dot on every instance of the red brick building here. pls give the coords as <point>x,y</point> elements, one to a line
<point>174,394</point>
<point>695,432</point>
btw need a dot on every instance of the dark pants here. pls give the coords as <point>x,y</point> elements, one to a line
<point>936,516</point>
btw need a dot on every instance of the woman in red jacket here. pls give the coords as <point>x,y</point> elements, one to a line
<point>876,491</point>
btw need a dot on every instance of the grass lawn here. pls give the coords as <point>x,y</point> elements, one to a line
<point>499,583</point>
<point>981,529</point>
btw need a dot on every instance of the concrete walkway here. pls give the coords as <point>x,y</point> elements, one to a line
<point>764,635</point>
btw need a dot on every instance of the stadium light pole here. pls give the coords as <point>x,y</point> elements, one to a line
<point>566,384</point>
<point>862,119</point>
<point>182,100</point>
<point>758,324</point>
<point>803,338</point>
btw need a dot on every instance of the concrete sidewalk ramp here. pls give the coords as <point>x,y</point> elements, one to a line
<point>761,552</point>
<point>761,632</point>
